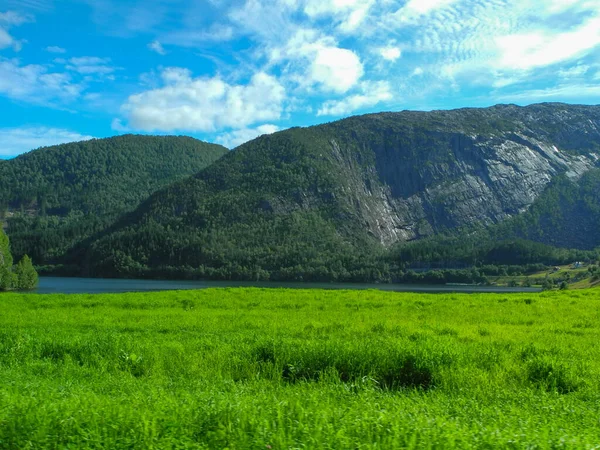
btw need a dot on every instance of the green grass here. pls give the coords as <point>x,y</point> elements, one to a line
<point>257,368</point>
<point>579,278</point>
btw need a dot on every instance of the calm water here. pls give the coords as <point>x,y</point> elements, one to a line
<point>57,285</point>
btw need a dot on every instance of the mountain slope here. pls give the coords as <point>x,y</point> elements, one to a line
<point>566,215</point>
<point>307,202</point>
<point>54,197</point>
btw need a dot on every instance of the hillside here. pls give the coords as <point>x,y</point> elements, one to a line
<point>54,197</point>
<point>330,199</point>
<point>566,215</point>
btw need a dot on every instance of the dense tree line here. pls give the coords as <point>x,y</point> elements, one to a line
<point>23,276</point>
<point>55,197</point>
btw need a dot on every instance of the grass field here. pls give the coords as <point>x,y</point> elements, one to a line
<point>579,278</point>
<point>278,369</point>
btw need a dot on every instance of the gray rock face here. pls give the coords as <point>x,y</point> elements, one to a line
<point>441,170</point>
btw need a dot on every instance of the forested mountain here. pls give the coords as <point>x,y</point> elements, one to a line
<point>329,202</point>
<point>55,197</point>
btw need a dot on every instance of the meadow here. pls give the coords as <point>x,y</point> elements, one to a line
<point>279,369</point>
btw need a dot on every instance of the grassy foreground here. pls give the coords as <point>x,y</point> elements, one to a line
<point>271,369</point>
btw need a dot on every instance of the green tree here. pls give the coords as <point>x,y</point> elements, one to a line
<point>26,276</point>
<point>6,261</point>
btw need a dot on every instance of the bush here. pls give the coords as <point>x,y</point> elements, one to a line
<point>550,376</point>
<point>25,275</point>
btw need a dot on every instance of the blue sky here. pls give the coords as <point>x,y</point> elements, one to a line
<point>228,71</point>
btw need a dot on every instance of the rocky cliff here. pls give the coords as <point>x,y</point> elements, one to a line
<point>431,172</point>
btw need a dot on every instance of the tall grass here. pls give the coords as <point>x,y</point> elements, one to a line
<point>258,368</point>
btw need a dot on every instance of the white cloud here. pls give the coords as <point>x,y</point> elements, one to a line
<point>350,13</point>
<point>13,18</point>
<point>55,49</point>
<point>574,72</point>
<point>117,125</point>
<point>197,38</point>
<point>308,55</point>
<point>568,92</point>
<point>372,93</point>
<point>9,19</point>
<point>88,65</point>
<point>238,137</point>
<point>496,43</point>
<point>544,48</point>
<point>157,47</point>
<point>204,104</point>
<point>414,10</point>
<point>316,59</point>
<point>35,84</point>
<point>336,69</point>
<point>390,53</point>
<point>6,40</point>
<point>14,141</point>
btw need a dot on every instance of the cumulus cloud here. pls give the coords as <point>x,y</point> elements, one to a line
<point>204,104</point>
<point>238,137</point>
<point>371,94</point>
<point>318,60</point>
<point>14,141</point>
<point>336,69</point>
<point>390,53</point>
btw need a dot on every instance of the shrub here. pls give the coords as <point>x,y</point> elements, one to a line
<point>25,274</point>
<point>550,376</point>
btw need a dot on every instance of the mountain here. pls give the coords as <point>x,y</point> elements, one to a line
<point>333,199</point>
<point>55,197</point>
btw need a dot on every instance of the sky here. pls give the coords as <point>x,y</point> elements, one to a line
<point>227,71</point>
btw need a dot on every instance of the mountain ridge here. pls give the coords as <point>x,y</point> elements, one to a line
<point>343,192</point>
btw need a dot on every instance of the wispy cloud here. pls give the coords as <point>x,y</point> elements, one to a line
<point>55,49</point>
<point>371,94</point>
<point>87,65</point>
<point>35,83</point>
<point>199,38</point>
<point>157,47</point>
<point>8,20</point>
<point>564,92</point>
<point>14,141</point>
<point>13,18</point>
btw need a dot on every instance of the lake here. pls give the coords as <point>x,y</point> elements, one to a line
<point>59,285</point>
